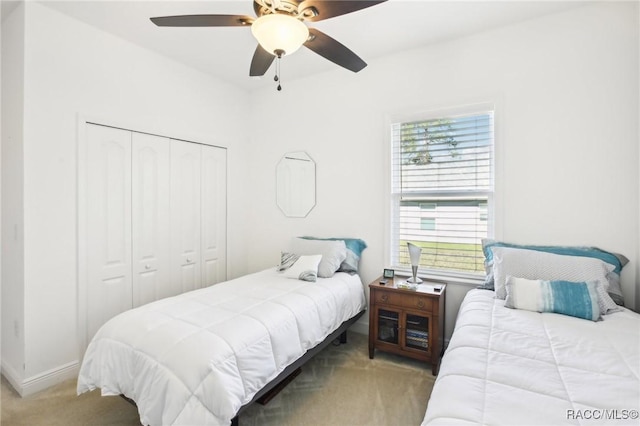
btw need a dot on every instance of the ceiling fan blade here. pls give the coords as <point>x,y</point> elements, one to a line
<point>325,9</point>
<point>203,21</point>
<point>261,62</point>
<point>334,51</point>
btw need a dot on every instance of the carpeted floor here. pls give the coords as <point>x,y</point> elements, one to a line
<point>340,386</point>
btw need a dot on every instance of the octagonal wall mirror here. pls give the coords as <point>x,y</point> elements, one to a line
<point>296,184</point>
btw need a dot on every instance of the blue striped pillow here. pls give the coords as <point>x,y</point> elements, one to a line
<point>576,299</point>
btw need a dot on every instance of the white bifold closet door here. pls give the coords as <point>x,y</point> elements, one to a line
<point>213,233</point>
<point>185,215</point>
<point>156,219</point>
<point>150,216</point>
<point>109,286</point>
<point>198,215</point>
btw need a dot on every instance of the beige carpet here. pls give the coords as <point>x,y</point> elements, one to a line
<point>340,386</point>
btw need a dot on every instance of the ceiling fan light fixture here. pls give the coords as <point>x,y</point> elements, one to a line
<point>279,32</point>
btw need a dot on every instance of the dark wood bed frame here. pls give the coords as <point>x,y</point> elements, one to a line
<point>276,385</point>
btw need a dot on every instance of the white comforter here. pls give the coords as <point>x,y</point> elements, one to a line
<point>195,359</point>
<point>510,367</point>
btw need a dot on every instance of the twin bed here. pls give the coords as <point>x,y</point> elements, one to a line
<point>201,357</point>
<point>513,361</point>
<point>518,367</point>
<point>198,358</point>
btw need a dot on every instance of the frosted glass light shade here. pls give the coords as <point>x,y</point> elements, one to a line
<point>414,255</point>
<point>279,32</point>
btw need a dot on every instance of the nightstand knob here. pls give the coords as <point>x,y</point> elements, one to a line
<point>385,297</point>
<point>420,303</point>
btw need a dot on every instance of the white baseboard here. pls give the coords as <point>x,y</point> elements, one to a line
<point>40,381</point>
<point>12,377</point>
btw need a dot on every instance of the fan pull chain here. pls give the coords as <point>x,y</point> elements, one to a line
<point>278,75</point>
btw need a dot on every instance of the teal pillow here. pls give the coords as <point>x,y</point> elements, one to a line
<point>576,299</point>
<point>355,247</point>
<point>615,259</point>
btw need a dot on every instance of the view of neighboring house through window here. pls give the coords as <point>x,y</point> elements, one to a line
<point>442,187</point>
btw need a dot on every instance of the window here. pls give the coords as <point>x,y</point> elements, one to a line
<point>442,187</point>
<point>428,223</point>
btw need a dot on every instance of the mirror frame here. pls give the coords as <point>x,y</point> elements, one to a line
<point>296,183</point>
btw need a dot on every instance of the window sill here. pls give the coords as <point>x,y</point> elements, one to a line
<point>466,280</point>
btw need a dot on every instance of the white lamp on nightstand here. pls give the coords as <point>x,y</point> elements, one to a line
<point>414,255</point>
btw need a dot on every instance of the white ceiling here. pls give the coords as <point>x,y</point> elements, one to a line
<point>226,52</point>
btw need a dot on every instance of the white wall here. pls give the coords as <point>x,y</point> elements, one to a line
<point>72,69</point>
<point>12,196</point>
<point>565,86</point>
<point>566,91</point>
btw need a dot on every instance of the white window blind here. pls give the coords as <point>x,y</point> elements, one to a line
<point>442,186</point>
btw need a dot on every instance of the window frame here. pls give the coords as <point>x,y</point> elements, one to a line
<point>394,198</point>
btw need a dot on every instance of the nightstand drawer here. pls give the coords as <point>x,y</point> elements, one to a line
<point>410,301</point>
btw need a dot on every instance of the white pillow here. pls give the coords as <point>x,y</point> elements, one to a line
<point>333,253</point>
<point>538,265</point>
<point>305,268</point>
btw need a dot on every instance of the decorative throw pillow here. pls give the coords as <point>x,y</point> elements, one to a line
<point>617,260</point>
<point>333,253</point>
<point>537,265</point>
<point>287,260</point>
<point>355,247</point>
<point>303,268</point>
<point>576,299</point>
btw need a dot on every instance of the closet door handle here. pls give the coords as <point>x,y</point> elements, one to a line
<point>147,267</point>
<point>188,260</point>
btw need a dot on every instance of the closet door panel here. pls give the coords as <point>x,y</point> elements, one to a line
<point>151,168</point>
<point>108,224</point>
<point>214,215</point>
<point>185,216</point>
<point>155,220</point>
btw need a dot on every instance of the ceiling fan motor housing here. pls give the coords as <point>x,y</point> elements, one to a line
<point>289,7</point>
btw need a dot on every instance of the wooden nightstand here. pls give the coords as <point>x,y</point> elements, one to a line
<point>407,322</point>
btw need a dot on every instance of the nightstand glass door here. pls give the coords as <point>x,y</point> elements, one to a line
<point>417,332</point>
<point>388,326</point>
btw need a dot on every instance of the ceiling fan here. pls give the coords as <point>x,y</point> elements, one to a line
<point>280,29</point>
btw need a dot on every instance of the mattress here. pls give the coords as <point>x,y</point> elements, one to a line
<point>198,357</point>
<point>508,367</point>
